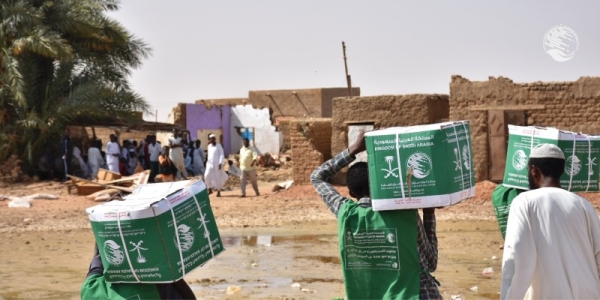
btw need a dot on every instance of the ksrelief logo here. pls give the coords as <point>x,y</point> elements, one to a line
<point>391,237</point>
<point>420,163</point>
<point>572,165</point>
<point>113,253</point>
<point>561,43</point>
<point>186,237</point>
<point>519,160</point>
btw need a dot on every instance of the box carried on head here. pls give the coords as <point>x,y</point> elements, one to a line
<point>420,166</point>
<point>160,233</point>
<point>582,153</point>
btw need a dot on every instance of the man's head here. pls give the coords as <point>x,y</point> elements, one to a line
<point>246,142</point>
<point>67,132</point>
<point>357,179</point>
<point>212,139</point>
<point>546,165</point>
<point>113,138</point>
<point>175,132</point>
<point>198,143</point>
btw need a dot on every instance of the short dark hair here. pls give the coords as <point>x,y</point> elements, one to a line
<point>246,140</point>
<point>550,167</point>
<point>357,179</point>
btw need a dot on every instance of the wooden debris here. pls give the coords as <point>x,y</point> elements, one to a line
<point>128,184</point>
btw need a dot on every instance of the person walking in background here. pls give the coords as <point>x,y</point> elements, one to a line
<point>113,154</point>
<point>198,160</point>
<point>176,150</point>
<point>66,150</point>
<point>215,176</point>
<point>248,156</point>
<point>95,160</point>
<point>154,151</point>
<point>552,245</point>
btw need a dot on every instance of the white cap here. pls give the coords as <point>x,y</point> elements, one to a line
<point>210,136</point>
<point>546,151</point>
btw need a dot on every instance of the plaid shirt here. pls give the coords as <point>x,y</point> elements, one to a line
<point>426,239</point>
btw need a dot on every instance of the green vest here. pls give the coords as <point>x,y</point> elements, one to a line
<point>379,254</point>
<point>96,288</point>
<point>502,197</point>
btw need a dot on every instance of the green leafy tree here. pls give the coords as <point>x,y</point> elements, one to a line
<point>62,61</point>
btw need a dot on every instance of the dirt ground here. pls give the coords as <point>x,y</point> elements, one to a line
<point>272,241</point>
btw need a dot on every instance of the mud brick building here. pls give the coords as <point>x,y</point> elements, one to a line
<point>352,115</point>
<point>311,146</point>
<point>268,113</point>
<point>491,105</point>
<point>287,105</point>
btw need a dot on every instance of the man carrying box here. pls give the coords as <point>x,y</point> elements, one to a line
<point>552,246</point>
<point>385,254</point>
<point>95,286</point>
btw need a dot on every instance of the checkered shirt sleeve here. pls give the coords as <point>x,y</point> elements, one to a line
<point>428,256</point>
<point>321,176</point>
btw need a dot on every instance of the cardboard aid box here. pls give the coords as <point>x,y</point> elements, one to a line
<point>420,166</point>
<point>582,154</point>
<point>160,233</point>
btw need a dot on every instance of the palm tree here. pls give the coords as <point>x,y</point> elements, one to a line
<point>62,61</point>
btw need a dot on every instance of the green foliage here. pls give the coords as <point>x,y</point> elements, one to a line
<point>62,61</point>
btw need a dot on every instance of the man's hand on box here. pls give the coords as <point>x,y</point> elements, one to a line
<point>358,146</point>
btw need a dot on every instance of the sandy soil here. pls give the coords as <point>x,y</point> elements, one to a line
<point>272,241</point>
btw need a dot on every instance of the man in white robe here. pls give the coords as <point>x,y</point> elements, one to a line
<point>552,246</point>
<point>112,154</point>
<point>95,159</point>
<point>215,176</point>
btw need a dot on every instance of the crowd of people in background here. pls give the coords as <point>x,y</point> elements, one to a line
<point>179,159</point>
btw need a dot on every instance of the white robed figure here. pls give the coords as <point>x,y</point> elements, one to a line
<point>215,176</point>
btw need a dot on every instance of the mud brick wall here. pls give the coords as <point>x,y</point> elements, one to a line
<point>311,146</point>
<point>283,126</point>
<point>567,105</point>
<point>300,103</point>
<point>385,111</point>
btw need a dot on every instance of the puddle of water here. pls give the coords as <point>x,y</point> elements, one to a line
<point>323,259</point>
<point>269,240</point>
<point>271,282</point>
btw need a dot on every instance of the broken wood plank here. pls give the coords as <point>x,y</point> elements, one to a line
<point>124,189</point>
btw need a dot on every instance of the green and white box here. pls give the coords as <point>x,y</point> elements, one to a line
<point>160,233</point>
<point>582,153</point>
<point>420,166</point>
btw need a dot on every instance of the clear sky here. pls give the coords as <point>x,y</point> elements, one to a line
<point>223,49</point>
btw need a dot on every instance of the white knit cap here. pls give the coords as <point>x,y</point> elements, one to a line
<point>546,151</point>
<point>210,136</point>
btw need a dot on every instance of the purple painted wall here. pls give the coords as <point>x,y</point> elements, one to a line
<point>199,117</point>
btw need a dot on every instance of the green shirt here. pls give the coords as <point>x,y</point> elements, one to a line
<point>502,197</point>
<point>96,288</point>
<point>379,252</point>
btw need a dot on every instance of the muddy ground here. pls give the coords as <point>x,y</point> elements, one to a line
<point>272,241</point>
